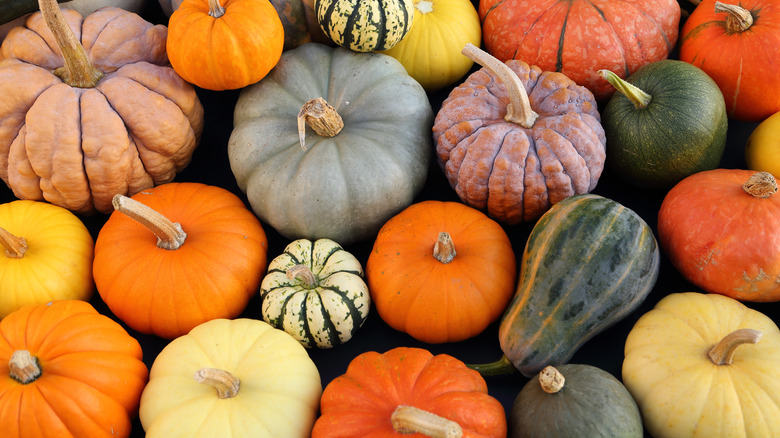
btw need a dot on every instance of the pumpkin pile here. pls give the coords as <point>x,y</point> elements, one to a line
<point>347,218</point>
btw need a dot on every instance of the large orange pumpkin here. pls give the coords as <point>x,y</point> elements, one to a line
<point>738,45</point>
<point>441,271</point>
<point>580,37</point>
<point>721,230</point>
<point>224,44</point>
<point>189,253</point>
<point>70,372</point>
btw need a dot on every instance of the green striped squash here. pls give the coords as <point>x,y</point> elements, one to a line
<point>365,25</point>
<point>315,292</point>
<point>588,262</point>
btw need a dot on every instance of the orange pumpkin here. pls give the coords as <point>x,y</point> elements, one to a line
<point>391,394</point>
<point>178,255</point>
<point>721,230</point>
<point>441,271</point>
<point>737,43</point>
<point>70,372</point>
<point>224,45</point>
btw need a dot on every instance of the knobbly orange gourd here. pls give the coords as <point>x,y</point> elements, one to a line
<point>48,253</point>
<point>407,390</point>
<point>109,117</point>
<point>70,372</point>
<point>513,140</point>
<point>441,271</point>
<point>721,230</point>
<point>578,38</point>
<point>737,43</point>
<point>177,255</point>
<point>224,44</point>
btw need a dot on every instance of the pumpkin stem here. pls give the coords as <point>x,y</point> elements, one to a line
<point>761,185</point>
<point>723,352</point>
<point>321,116</point>
<point>739,18</point>
<point>408,420</point>
<point>226,384</point>
<point>169,234</point>
<point>15,247</point>
<point>551,380</point>
<point>500,367</point>
<point>24,367</point>
<point>639,98</point>
<point>444,248</point>
<point>519,110</point>
<point>424,6</point>
<point>215,9</point>
<point>304,274</point>
<point>78,71</point>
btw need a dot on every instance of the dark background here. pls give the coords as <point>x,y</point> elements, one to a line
<point>210,166</point>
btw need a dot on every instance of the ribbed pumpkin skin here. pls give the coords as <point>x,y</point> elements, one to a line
<point>680,132</point>
<point>365,25</point>
<point>325,314</point>
<point>588,262</point>
<point>592,403</point>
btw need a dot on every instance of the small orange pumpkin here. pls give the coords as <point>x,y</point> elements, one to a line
<point>164,277</point>
<point>441,271</point>
<point>224,45</point>
<point>391,394</point>
<point>70,372</point>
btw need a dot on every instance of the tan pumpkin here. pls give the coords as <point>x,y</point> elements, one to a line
<point>111,117</point>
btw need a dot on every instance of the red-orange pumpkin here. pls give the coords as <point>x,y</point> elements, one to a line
<point>70,372</point>
<point>441,271</point>
<point>738,45</point>
<point>202,257</point>
<point>580,37</point>
<point>721,230</point>
<point>383,395</point>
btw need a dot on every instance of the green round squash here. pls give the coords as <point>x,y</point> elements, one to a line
<point>321,182</point>
<point>365,25</point>
<point>315,292</point>
<point>575,400</point>
<point>588,263</point>
<point>667,121</point>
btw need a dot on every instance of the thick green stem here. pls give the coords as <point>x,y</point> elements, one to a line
<point>500,367</point>
<point>639,98</point>
<point>78,71</point>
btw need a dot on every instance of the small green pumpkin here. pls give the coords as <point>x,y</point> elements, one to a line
<point>365,25</point>
<point>315,292</point>
<point>575,400</point>
<point>588,262</point>
<point>667,121</point>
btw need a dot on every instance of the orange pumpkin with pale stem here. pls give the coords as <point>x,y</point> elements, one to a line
<point>70,372</point>
<point>721,230</point>
<point>408,390</point>
<point>109,117</point>
<point>441,271</point>
<point>177,255</point>
<point>224,44</point>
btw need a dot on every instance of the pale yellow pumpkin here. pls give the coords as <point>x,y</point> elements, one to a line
<point>685,386</point>
<point>48,255</point>
<point>229,379</point>
<point>431,51</point>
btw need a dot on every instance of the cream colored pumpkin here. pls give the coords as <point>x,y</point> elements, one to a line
<point>47,256</point>
<point>273,388</point>
<point>431,51</point>
<point>679,382</point>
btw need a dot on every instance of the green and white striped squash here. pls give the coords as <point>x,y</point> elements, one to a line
<point>315,292</point>
<point>365,25</point>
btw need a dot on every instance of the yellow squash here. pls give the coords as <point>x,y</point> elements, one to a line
<point>230,379</point>
<point>705,365</point>
<point>47,255</point>
<point>762,151</point>
<point>431,50</point>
